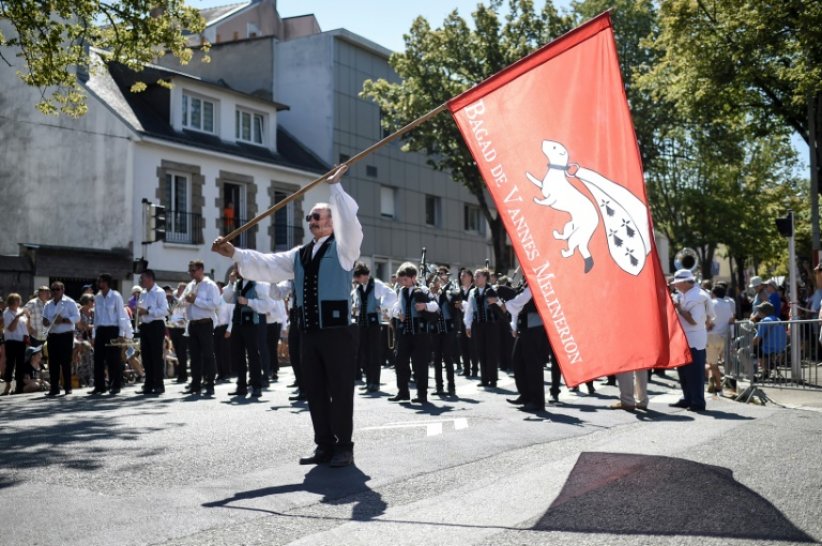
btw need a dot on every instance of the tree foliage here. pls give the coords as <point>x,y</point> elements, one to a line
<point>53,39</point>
<point>440,63</point>
<point>735,78</point>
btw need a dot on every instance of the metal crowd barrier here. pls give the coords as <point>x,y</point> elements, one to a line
<point>790,354</point>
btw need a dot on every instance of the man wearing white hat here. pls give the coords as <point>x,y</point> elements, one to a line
<point>695,309</point>
<point>765,291</point>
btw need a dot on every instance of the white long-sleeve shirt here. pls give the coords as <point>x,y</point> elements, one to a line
<point>109,310</point>
<point>385,296</point>
<point>21,329</point>
<point>279,266</point>
<point>514,306</point>
<point>468,306</point>
<point>208,298</point>
<point>262,304</point>
<point>65,308</point>
<point>398,310</point>
<point>155,302</point>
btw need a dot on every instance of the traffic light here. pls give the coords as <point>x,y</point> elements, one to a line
<point>157,222</point>
<point>785,225</point>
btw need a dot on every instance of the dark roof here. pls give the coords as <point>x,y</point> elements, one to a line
<point>150,109</point>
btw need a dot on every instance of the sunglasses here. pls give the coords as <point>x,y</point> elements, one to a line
<point>313,216</point>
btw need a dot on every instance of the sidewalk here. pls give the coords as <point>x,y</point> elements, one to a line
<point>790,397</point>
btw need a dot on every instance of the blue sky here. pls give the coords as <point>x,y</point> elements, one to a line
<point>381,21</point>
<point>385,21</point>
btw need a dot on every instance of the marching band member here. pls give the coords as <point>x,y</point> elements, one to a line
<point>321,271</point>
<point>370,297</point>
<point>201,298</point>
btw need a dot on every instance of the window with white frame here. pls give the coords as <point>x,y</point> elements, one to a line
<point>473,220</point>
<point>198,113</point>
<point>387,202</point>
<point>177,202</point>
<point>250,126</point>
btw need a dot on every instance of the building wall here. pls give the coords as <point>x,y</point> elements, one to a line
<point>63,180</point>
<point>214,169</point>
<point>320,78</point>
<point>304,81</point>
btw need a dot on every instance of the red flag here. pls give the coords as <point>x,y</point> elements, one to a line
<point>553,139</point>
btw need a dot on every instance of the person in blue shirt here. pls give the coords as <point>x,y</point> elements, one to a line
<point>771,338</point>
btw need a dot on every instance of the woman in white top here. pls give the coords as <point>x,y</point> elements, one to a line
<point>16,332</point>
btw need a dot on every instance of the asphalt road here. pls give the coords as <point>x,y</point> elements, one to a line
<point>179,470</point>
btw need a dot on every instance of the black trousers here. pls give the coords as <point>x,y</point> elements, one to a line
<point>445,352</point>
<point>531,352</point>
<point>506,344</point>
<point>245,342</point>
<point>152,337</point>
<point>15,363</point>
<point>272,339</point>
<point>413,349</point>
<point>294,354</point>
<point>105,358</point>
<point>201,349</point>
<point>222,352</point>
<point>60,351</point>
<point>327,378</point>
<point>486,341</point>
<point>180,342</point>
<point>369,352</point>
<point>468,352</point>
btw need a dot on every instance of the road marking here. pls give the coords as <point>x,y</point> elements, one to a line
<point>432,428</point>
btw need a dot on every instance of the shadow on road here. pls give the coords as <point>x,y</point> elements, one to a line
<point>652,495</point>
<point>336,485</point>
<point>69,442</point>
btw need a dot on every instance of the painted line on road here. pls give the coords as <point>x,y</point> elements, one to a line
<point>432,428</point>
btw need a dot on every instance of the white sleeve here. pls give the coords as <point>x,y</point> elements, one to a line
<point>468,309</point>
<point>347,228</point>
<point>228,293</point>
<point>281,290</point>
<point>262,304</point>
<point>272,268</point>
<point>515,305</point>
<point>386,296</point>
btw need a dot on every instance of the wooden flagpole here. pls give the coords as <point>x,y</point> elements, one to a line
<point>374,147</point>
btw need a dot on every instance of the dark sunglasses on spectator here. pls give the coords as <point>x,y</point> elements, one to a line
<point>313,216</point>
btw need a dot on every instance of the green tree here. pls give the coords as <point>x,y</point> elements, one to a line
<point>742,63</point>
<point>439,64</point>
<point>53,39</point>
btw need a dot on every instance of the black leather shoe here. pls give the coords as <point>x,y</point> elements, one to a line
<point>532,408</point>
<point>680,404</point>
<point>320,456</point>
<point>420,400</point>
<point>373,388</point>
<point>145,390</point>
<point>400,398</point>
<point>97,391</point>
<point>296,396</point>
<point>192,390</point>
<point>115,390</point>
<point>342,458</point>
<point>68,392</point>
<point>516,401</point>
<point>292,386</point>
<point>209,390</point>
<point>181,380</point>
<point>239,392</point>
<point>256,392</point>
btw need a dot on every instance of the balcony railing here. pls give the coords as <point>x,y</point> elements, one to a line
<point>184,228</point>
<point>227,225</point>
